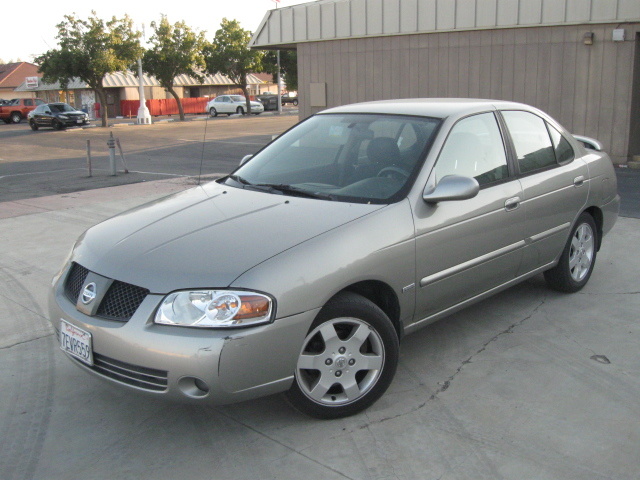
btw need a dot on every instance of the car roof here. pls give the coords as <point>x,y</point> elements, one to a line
<point>428,107</point>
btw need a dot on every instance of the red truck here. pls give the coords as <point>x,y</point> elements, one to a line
<point>18,108</point>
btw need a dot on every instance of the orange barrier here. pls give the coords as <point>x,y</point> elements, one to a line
<point>168,106</point>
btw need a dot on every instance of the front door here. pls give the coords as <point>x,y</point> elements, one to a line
<point>466,247</point>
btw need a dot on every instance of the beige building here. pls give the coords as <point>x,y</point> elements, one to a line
<point>124,86</point>
<point>579,60</point>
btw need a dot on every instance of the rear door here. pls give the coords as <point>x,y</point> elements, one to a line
<point>555,185</point>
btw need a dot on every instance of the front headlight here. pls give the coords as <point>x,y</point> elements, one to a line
<point>214,309</point>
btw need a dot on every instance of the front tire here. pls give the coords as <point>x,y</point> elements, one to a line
<point>240,111</point>
<point>213,112</point>
<point>578,257</point>
<point>33,125</point>
<point>57,125</point>
<point>347,360</point>
<point>16,117</point>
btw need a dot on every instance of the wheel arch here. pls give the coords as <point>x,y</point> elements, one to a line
<point>383,296</point>
<point>598,217</point>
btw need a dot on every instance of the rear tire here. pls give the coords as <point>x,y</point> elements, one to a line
<point>347,360</point>
<point>57,125</point>
<point>240,111</point>
<point>578,257</point>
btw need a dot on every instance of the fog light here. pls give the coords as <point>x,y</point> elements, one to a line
<point>193,387</point>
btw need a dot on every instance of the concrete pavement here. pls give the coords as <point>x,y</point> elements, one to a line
<point>531,384</point>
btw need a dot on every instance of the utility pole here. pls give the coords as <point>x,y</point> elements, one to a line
<point>144,117</point>
<point>278,78</point>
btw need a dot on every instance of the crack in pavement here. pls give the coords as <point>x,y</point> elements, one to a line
<point>26,341</point>
<point>447,383</point>
<point>291,449</point>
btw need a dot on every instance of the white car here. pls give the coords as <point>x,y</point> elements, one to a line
<point>230,104</point>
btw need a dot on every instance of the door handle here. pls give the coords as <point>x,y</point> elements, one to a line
<point>578,181</point>
<point>512,203</point>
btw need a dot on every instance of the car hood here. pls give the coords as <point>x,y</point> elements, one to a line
<point>206,237</point>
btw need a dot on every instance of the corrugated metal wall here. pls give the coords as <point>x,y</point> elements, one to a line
<point>586,87</point>
<point>358,18</point>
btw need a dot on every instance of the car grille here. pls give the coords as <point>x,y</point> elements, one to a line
<point>119,303</point>
<point>134,375</point>
<point>75,280</point>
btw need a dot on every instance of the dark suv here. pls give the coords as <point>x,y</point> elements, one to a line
<point>57,116</point>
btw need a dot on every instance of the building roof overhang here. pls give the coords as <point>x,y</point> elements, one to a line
<point>343,19</point>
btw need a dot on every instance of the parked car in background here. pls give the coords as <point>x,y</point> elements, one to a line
<point>15,110</point>
<point>301,271</point>
<point>231,104</point>
<point>289,97</point>
<point>268,100</point>
<point>57,116</point>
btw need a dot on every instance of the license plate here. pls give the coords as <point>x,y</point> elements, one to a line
<point>78,121</point>
<point>76,342</point>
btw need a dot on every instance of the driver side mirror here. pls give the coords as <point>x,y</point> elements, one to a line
<point>245,159</point>
<point>451,187</point>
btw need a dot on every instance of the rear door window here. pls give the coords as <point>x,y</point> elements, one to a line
<point>531,141</point>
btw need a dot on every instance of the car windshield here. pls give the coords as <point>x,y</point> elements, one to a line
<point>237,98</point>
<point>61,107</point>
<point>343,157</point>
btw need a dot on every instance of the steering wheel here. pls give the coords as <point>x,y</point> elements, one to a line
<point>394,172</point>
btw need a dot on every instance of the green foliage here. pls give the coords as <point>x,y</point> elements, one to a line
<point>175,50</point>
<point>288,67</point>
<point>229,54</point>
<point>90,49</point>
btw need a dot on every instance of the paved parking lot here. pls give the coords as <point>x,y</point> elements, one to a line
<point>528,384</point>
<point>48,162</point>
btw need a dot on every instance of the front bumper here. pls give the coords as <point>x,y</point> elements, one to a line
<point>69,122</point>
<point>187,364</point>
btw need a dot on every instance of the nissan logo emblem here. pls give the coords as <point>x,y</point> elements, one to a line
<point>89,293</point>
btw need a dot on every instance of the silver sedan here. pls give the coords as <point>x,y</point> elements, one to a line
<point>301,271</point>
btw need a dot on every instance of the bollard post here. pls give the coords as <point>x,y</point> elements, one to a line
<point>124,163</point>
<point>89,156</point>
<point>111,143</point>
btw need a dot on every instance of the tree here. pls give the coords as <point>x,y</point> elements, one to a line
<point>288,67</point>
<point>229,54</point>
<point>175,50</point>
<point>89,50</point>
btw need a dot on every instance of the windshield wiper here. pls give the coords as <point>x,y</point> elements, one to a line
<point>291,190</point>
<point>239,179</point>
